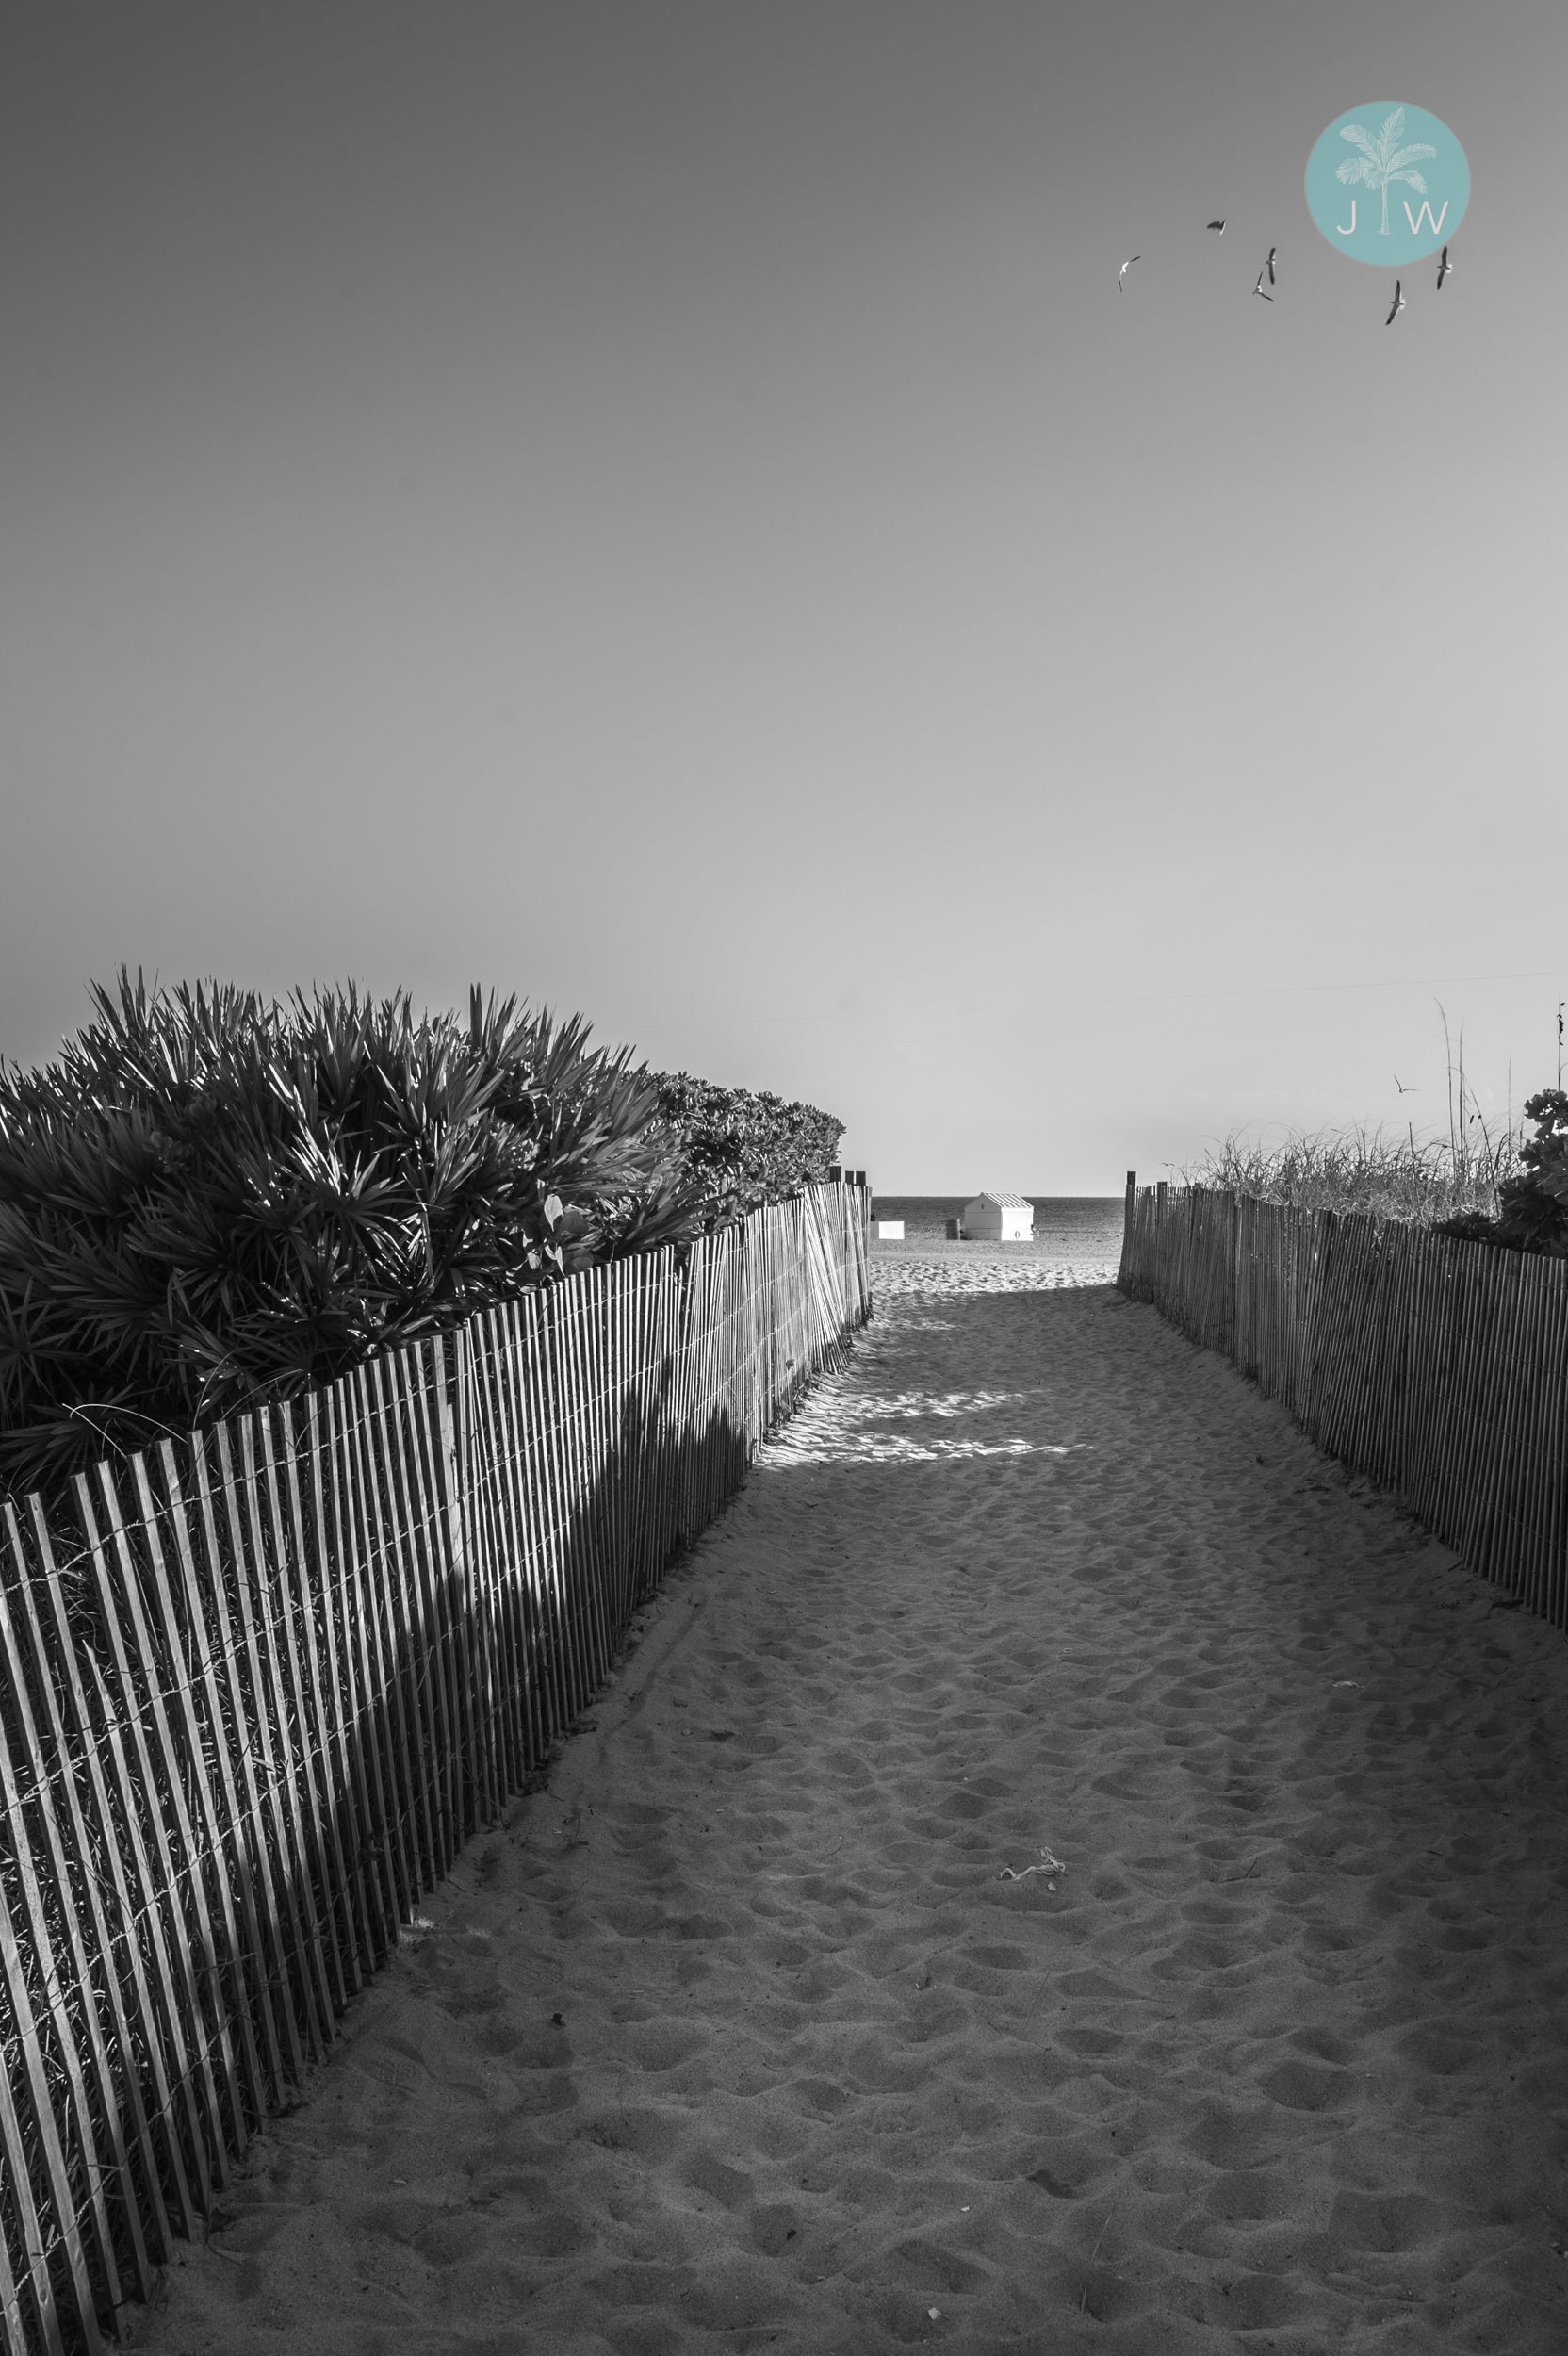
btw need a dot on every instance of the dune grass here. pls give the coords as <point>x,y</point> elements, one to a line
<point>1466,1175</point>
<point>1362,1169</point>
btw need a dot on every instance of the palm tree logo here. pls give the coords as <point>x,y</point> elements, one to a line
<point>1383,159</point>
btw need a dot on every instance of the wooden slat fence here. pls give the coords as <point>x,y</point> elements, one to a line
<point>258,1687</point>
<point>1436,1366</point>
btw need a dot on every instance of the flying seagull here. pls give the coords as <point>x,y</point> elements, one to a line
<point>1258,289</point>
<point>1126,267</point>
<point>1404,1090</point>
<point>1269,264</point>
<point>1395,306</point>
<point>1216,224</point>
<point>1444,269</point>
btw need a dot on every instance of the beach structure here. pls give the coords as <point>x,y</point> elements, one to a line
<point>995,1217</point>
<point>890,1231</point>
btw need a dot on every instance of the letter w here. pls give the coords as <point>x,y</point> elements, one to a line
<point>1425,214</point>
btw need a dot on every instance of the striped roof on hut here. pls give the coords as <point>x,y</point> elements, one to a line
<point>1003,1202</point>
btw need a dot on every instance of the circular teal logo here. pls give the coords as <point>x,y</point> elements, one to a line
<point>1387,182</point>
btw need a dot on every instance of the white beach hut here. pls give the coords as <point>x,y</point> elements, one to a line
<point>1000,1217</point>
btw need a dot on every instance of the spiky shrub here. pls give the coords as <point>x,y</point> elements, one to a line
<point>209,1195</point>
<point>742,1148</point>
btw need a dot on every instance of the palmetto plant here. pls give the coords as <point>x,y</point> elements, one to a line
<point>1383,160</point>
<point>208,1195</point>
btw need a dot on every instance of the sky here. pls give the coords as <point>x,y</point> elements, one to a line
<point>665,509</point>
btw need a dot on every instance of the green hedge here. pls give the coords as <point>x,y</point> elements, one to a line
<point>744,1149</point>
<point>208,1196</point>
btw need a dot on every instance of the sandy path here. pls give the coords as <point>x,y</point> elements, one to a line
<point>734,2038</point>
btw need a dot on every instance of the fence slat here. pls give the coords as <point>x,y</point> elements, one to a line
<point>236,1801</point>
<point>416,1522</point>
<point>368,1940</point>
<point>366,1682</point>
<point>297,1622</point>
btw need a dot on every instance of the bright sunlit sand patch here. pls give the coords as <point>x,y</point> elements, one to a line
<point>849,1409</point>
<point>839,1425</point>
<point>884,1447</point>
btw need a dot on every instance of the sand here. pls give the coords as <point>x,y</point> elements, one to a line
<point>927,1264</point>
<point>1059,1868</point>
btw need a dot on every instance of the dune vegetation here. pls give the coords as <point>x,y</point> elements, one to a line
<point>1362,1169</point>
<point>1490,1183</point>
<point>1510,1190</point>
<point>208,1195</point>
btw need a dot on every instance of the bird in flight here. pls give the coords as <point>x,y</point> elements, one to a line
<point>1269,266</point>
<point>1404,1090</point>
<point>1444,269</point>
<point>1258,289</point>
<point>1218,224</point>
<point>1126,266</point>
<point>1395,306</point>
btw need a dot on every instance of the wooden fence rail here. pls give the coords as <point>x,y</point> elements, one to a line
<point>256,1689</point>
<point>1436,1366</point>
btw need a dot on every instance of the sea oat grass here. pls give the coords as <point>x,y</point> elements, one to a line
<point>1362,1169</point>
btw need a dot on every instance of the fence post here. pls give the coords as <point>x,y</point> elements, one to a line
<point>448,1416</point>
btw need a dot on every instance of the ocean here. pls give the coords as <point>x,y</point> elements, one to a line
<point>1080,1226</point>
